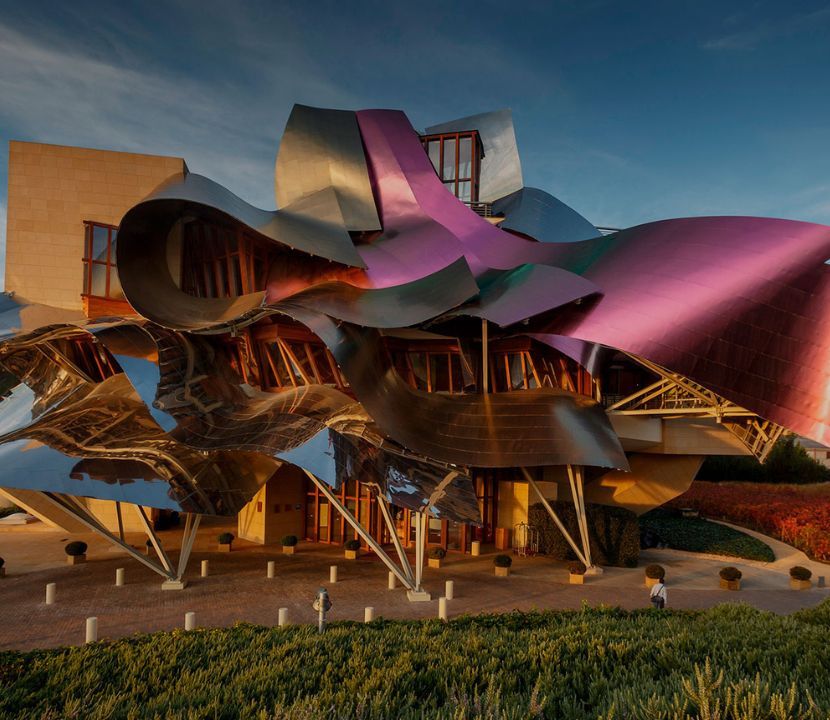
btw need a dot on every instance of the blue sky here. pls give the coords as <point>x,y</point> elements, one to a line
<point>628,112</point>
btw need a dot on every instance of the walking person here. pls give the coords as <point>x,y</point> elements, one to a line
<point>659,596</point>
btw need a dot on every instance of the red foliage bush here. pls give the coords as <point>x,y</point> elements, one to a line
<point>796,515</point>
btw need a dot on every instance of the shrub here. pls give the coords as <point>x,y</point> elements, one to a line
<point>2,562</point>
<point>730,574</point>
<point>614,533</point>
<point>576,568</point>
<point>149,543</point>
<point>74,549</point>
<point>289,540</point>
<point>352,544</point>
<point>655,572</point>
<point>502,561</point>
<point>437,553</point>
<point>226,538</point>
<point>800,573</point>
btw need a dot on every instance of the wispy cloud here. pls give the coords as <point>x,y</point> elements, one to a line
<point>755,33</point>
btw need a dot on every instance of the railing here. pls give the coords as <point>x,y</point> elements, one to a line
<point>483,209</point>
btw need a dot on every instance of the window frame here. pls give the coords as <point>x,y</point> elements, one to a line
<point>89,261</point>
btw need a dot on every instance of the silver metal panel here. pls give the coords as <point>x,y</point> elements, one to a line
<point>543,217</point>
<point>322,149</point>
<point>501,168</point>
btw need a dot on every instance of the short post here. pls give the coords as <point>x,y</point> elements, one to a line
<point>475,548</point>
<point>821,581</point>
<point>119,577</point>
<point>442,608</point>
<point>190,621</point>
<point>91,630</point>
<point>205,568</point>
<point>333,574</point>
<point>449,589</point>
<point>322,604</point>
<point>282,617</point>
<point>392,582</point>
<point>51,590</point>
<point>272,569</point>
<point>368,614</point>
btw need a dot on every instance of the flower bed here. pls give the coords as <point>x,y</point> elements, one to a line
<point>798,515</point>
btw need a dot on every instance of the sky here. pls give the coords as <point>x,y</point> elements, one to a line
<point>627,111</point>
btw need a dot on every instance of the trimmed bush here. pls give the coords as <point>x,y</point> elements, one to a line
<point>730,574</point>
<point>226,538</point>
<point>800,573</point>
<point>289,540</point>
<point>437,553</point>
<point>75,549</point>
<point>614,533</point>
<point>655,572</point>
<point>2,562</point>
<point>352,544</point>
<point>576,568</point>
<point>502,561</point>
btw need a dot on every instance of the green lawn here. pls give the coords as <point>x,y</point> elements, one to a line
<point>698,535</point>
<point>593,663</point>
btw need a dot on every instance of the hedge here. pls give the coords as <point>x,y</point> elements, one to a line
<point>614,533</point>
<point>731,662</point>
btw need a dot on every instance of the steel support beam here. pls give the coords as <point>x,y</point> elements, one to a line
<point>148,528</point>
<point>577,493</point>
<point>360,530</point>
<point>191,527</point>
<point>393,533</point>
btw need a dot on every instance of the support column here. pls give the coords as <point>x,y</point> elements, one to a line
<point>575,478</point>
<point>393,533</point>
<point>485,359</point>
<point>418,594</point>
<point>360,530</point>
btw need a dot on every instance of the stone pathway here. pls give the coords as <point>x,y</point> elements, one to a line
<point>238,590</point>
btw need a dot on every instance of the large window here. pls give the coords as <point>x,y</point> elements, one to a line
<point>456,158</point>
<point>100,275</point>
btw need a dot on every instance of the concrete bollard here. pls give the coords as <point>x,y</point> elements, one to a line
<point>51,591</point>
<point>272,569</point>
<point>205,568</point>
<point>282,617</point>
<point>475,548</point>
<point>368,614</point>
<point>333,574</point>
<point>190,621</point>
<point>449,589</point>
<point>119,577</point>
<point>821,581</point>
<point>91,630</point>
<point>442,608</point>
<point>392,582</point>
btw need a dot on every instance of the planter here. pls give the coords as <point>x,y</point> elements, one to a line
<point>351,554</point>
<point>288,549</point>
<point>225,548</point>
<point>434,562</point>
<point>651,582</point>
<point>800,584</point>
<point>75,559</point>
<point>502,571</point>
<point>730,584</point>
<point>576,579</point>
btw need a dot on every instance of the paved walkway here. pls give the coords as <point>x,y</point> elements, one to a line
<point>237,589</point>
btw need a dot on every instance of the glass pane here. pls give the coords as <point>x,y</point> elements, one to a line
<point>335,529</point>
<point>465,157</point>
<point>310,509</point>
<point>434,531</point>
<point>116,293</point>
<point>449,160</point>
<point>236,276</point>
<point>303,365</point>
<point>516,373</point>
<point>99,242</point>
<point>323,527</point>
<point>87,236</point>
<point>464,191</point>
<point>440,372</point>
<point>99,280</point>
<point>457,375</point>
<point>322,362</point>
<point>435,153</point>
<point>419,367</point>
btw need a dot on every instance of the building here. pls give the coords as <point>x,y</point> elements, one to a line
<point>411,350</point>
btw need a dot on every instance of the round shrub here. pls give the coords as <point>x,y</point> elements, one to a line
<point>576,568</point>
<point>800,573</point>
<point>352,544</point>
<point>437,553</point>
<point>289,540</point>
<point>655,572</point>
<point>74,549</point>
<point>149,543</point>
<point>226,538</point>
<point>2,562</point>
<point>502,561</point>
<point>730,574</point>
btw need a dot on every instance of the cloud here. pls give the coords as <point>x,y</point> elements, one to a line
<point>754,34</point>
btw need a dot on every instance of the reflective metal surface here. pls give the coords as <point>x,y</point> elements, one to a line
<point>540,215</point>
<point>501,168</point>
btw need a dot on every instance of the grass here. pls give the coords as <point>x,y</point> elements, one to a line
<point>731,662</point>
<point>701,536</point>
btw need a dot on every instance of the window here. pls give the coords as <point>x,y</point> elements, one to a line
<point>100,274</point>
<point>290,363</point>
<point>456,158</point>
